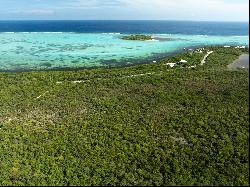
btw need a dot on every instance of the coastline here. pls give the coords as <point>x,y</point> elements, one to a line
<point>24,52</point>
<point>121,64</point>
<point>242,62</point>
<point>151,116</point>
<point>154,58</point>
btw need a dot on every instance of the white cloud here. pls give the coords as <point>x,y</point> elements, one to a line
<point>168,9</point>
<point>33,12</point>
<point>219,10</point>
<point>205,9</point>
<point>78,4</point>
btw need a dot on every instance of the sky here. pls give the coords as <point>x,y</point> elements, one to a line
<point>197,10</point>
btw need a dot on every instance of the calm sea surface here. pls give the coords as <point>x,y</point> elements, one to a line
<point>42,45</point>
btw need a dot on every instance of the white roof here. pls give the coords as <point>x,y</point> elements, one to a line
<point>183,60</point>
<point>171,64</point>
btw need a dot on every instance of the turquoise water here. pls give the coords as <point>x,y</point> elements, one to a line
<point>59,50</point>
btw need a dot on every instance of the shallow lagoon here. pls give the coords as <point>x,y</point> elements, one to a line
<point>58,50</point>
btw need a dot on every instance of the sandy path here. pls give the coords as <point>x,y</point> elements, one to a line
<point>205,57</point>
<point>82,81</point>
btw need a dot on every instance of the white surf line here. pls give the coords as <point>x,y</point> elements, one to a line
<point>42,95</point>
<point>205,57</point>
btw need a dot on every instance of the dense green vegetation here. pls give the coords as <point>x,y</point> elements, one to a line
<point>137,37</point>
<point>141,125</point>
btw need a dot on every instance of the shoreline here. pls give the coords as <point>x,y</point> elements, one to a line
<point>239,63</point>
<point>145,60</point>
<point>154,58</point>
<point>99,122</point>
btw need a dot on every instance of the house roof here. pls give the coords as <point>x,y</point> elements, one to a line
<point>183,60</point>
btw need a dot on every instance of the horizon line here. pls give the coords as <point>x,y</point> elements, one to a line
<point>123,20</point>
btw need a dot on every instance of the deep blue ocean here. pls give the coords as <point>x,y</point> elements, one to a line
<point>46,45</point>
<point>125,27</point>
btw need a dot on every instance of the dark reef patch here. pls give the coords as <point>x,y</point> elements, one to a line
<point>47,64</point>
<point>74,61</point>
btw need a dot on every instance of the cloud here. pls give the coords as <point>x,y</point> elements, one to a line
<point>34,12</point>
<point>234,10</point>
<point>189,9</point>
<point>83,4</point>
<point>168,9</point>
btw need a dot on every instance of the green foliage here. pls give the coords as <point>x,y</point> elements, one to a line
<point>165,126</point>
<point>137,37</point>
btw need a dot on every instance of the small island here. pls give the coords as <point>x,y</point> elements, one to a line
<point>137,37</point>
